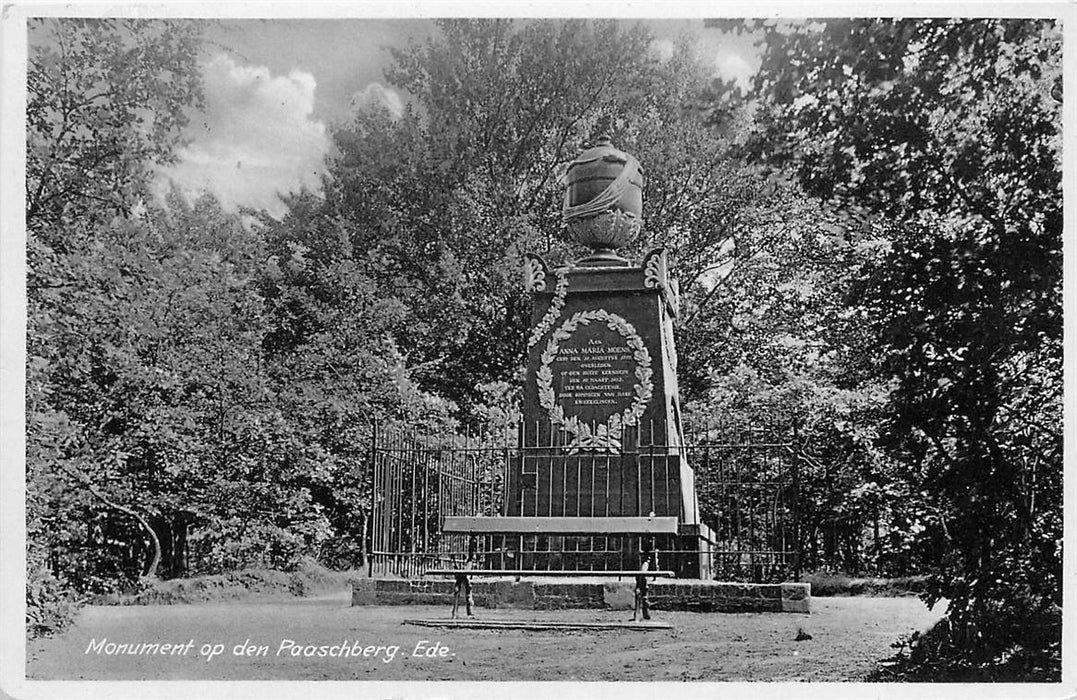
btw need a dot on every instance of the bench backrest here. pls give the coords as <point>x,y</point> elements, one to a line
<point>479,525</point>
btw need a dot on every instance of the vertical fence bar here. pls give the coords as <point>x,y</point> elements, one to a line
<point>385,486</point>
<point>401,505</point>
<point>738,494</point>
<point>469,471</point>
<point>536,466</point>
<point>593,488</point>
<point>385,525</point>
<point>609,496</point>
<point>426,507</point>
<point>564,486</point>
<point>796,503</point>
<point>415,463</point>
<point>368,545</point>
<point>549,465</point>
<point>652,506</point>
<point>441,512</point>
<point>394,510</point>
<point>752,506</point>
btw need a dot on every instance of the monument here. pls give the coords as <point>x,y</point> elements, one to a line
<point>599,485</point>
<point>602,437</point>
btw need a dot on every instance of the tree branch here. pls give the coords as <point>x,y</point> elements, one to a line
<point>151,570</point>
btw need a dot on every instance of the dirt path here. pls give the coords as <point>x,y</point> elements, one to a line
<point>848,635</point>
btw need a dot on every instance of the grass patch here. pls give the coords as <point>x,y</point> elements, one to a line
<point>309,579</point>
<point>829,584</point>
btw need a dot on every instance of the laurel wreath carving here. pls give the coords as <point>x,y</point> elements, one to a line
<point>560,291</point>
<point>607,436</point>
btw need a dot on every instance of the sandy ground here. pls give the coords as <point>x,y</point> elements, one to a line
<point>848,636</point>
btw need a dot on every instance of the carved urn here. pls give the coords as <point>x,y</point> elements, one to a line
<point>603,201</point>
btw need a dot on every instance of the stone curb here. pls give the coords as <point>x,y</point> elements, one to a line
<point>687,595</point>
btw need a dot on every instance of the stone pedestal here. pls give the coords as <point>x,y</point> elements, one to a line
<point>602,429</point>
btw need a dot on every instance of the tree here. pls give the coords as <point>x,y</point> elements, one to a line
<point>335,367</point>
<point>147,344</point>
<point>444,201</point>
<point>783,351</point>
<point>107,102</point>
<point>943,136</point>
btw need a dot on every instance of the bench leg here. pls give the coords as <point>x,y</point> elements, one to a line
<point>462,582</point>
<point>642,604</point>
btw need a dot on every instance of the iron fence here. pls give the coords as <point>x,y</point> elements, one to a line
<point>745,482</point>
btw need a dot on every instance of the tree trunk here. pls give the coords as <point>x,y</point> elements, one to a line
<point>877,542</point>
<point>179,546</point>
<point>172,533</point>
<point>163,528</point>
<point>151,569</point>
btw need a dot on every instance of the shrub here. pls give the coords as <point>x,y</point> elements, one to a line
<point>49,606</point>
<point>824,584</point>
<point>1033,653</point>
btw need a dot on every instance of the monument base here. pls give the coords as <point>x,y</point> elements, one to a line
<point>555,594</point>
<point>695,542</point>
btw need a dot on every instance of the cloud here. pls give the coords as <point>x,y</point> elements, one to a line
<point>376,95</point>
<point>256,138</point>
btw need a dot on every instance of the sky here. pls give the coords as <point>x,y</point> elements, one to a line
<point>275,88</point>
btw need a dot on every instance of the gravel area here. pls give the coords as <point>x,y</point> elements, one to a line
<point>327,639</point>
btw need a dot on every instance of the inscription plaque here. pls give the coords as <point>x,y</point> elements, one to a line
<point>595,377</point>
<point>594,374</point>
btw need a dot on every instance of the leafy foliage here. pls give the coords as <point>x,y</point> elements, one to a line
<point>788,351</point>
<point>107,101</point>
<point>444,200</point>
<point>949,131</point>
<point>334,363</point>
<point>869,244</point>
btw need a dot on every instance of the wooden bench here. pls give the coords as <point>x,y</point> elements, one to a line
<point>552,573</point>
<point>531,525</point>
<point>555,526</point>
